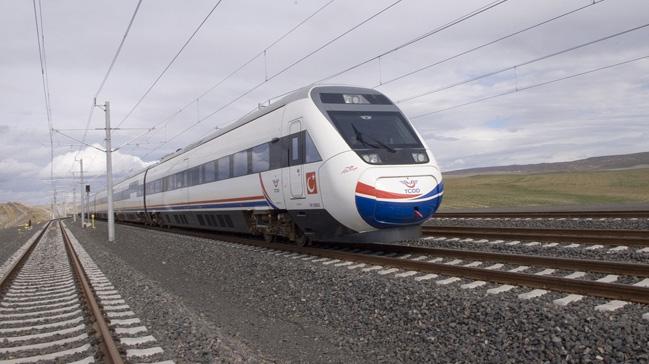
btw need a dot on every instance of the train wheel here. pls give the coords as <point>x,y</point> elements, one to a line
<point>302,240</point>
<point>269,238</point>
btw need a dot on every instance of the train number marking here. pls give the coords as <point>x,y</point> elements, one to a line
<point>348,169</point>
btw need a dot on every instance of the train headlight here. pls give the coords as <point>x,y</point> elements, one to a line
<point>355,99</point>
<point>420,157</point>
<point>371,158</point>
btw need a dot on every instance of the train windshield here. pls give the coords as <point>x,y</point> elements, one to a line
<point>375,130</point>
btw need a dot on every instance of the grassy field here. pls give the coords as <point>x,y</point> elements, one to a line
<point>547,189</point>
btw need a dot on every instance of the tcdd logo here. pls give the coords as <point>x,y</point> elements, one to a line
<point>311,185</point>
<point>411,186</point>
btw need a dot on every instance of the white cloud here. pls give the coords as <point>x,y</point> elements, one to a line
<point>94,163</point>
<point>12,168</point>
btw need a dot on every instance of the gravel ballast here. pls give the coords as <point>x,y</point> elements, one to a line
<point>258,306</point>
<point>11,239</point>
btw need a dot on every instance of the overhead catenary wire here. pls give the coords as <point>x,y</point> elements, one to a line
<point>528,62</point>
<point>293,64</point>
<point>412,41</point>
<point>540,84</point>
<point>40,40</point>
<point>429,33</point>
<point>171,62</point>
<point>230,75</point>
<point>106,75</point>
<point>483,45</point>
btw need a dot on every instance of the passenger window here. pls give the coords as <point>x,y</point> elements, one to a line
<point>240,164</point>
<point>279,154</point>
<point>171,184</point>
<point>223,168</point>
<point>180,180</point>
<point>312,154</point>
<point>295,149</point>
<point>260,158</point>
<point>296,152</point>
<point>193,176</point>
<point>209,172</point>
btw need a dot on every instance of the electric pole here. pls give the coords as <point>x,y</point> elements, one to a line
<point>74,204</point>
<point>88,201</point>
<point>83,221</point>
<point>109,174</point>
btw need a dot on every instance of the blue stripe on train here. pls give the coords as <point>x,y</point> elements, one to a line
<point>386,214</point>
<point>205,206</point>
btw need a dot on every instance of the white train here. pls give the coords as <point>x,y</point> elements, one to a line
<point>326,163</point>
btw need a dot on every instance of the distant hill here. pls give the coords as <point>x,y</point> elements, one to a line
<point>13,214</point>
<point>604,163</point>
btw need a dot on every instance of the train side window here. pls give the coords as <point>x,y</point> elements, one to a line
<point>223,168</point>
<point>311,153</point>
<point>209,172</point>
<point>296,149</point>
<point>171,182</point>
<point>240,164</point>
<point>179,180</point>
<point>279,154</point>
<point>260,158</point>
<point>193,175</point>
<point>165,184</point>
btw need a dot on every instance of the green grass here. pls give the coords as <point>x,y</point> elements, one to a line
<point>547,189</point>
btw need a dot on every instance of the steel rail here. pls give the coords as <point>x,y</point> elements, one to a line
<point>589,265</point>
<point>588,288</point>
<point>106,343</point>
<point>546,214</point>
<point>15,267</point>
<point>606,237</point>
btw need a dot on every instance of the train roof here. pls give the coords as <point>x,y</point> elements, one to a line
<point>301,93</point>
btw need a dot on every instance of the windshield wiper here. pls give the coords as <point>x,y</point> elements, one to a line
<point>359,137</point>
<point>389,148</point>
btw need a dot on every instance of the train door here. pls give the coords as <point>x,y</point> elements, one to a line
<point>295,146</point>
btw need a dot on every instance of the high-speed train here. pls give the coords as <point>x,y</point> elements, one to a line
<point>325,163</point>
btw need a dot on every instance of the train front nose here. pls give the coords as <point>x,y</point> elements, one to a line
<point>398,201</point>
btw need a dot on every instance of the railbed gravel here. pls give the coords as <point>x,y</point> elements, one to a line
<point>293,310</point>
<point>181,331</point>
<point>11,239</point>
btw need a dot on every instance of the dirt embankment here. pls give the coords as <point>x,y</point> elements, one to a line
<point>13,214</point>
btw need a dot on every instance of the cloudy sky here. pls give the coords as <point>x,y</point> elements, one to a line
<point>600,113</point>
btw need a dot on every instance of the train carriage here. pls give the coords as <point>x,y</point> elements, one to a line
<point>323,163</point>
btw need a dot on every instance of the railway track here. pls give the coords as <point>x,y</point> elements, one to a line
<point>636,238</point>
<point>53,306</point>
<point>454,265</point>
<point>626,214</point>
<point>485,267</point>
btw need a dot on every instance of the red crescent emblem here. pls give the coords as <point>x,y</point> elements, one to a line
<point>311,185</point>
